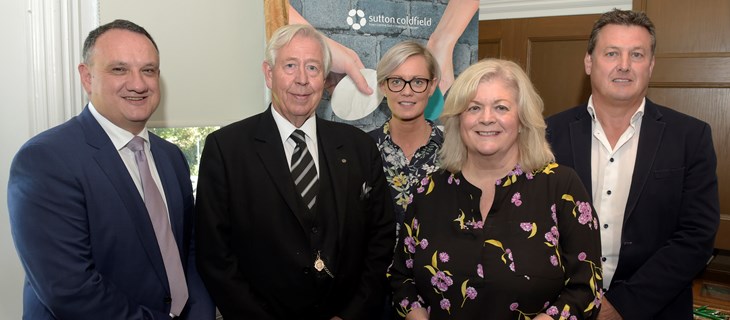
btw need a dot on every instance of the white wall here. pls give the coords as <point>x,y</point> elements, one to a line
<point>14,130</point>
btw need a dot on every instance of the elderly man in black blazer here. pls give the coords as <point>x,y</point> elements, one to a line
<point>294,218</point>
<point>651,171</point>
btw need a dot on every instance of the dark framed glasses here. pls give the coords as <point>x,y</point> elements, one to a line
<point>418,85</point>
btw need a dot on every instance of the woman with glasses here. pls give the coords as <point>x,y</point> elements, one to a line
<point>407,75</point>
<point>500,231</point>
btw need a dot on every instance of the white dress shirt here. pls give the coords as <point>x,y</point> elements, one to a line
<point>611,173</point>
<point>310,132</point>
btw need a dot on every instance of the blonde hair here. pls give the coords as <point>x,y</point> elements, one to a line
<point>533,147</point>
<point>285,34</point>
<point>399,53</point>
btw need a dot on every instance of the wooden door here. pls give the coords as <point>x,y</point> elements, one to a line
<point>692,71</point>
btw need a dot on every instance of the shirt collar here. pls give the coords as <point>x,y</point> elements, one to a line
<point>286,128</point>
<point>634,118</point>
<point>117,135</point>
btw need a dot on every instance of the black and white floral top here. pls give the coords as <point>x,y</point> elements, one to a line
<point>537,251</point>
<point>402,175</point>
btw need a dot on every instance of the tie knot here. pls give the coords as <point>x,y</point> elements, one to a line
<point>298,137</point>
<point>136,144</point>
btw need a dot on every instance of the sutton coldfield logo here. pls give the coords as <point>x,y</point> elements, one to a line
<point>356,19</point>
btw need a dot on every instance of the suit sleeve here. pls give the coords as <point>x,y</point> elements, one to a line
<point>216,261</point>
<point>663,276</point>
<point>50,228</point>
<point>381,237</point>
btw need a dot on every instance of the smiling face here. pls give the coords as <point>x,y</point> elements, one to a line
<point>621,65</point>
<point>296,79</point>
<point>407,105</point>
<point>490,124</point>
<point>122,78</point>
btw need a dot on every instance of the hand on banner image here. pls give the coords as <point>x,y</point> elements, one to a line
<point>454,21</point>
<point>345,61</point>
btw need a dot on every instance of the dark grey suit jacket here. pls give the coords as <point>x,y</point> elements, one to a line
<point>672,213</point>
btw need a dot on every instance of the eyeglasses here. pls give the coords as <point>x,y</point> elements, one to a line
<point>418,85</point>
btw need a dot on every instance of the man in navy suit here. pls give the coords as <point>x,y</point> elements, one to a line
<point>267,250</point>
<point>651,171</point>
<point>78,211</point>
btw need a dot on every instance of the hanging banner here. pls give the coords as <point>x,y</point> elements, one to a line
<point>362,31</point>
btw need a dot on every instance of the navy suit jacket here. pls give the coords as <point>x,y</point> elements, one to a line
<point>83,233</point>
<point>672,213</point>
<point>254,248</point>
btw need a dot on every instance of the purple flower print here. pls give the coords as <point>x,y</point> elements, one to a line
<point>552,311</point>
<point>424,243</point>
<point>565,314</point>
<point>445,304</point>
<point>508,251</point>
<point>526,226</point>
<point>512,266</point>
<point>498,182</point>
<point>424,181</point>
<point>514,306</point>
<point>547,303</point>
<point>573,318</point>
<point>441,281</point>
<point>415,305</point>
<point>480,271</point>
<point>581,256</point>
<point>585,212</point>
<point>554,214</point>
<point>404,303</point>
<point>595,223</point>
<point>475,224</point>
<point>529,176</point>
<point>516,199</point>
<point>409,263</point>
<point>471,293</point>
<point>554,260</point>
<point>444,257</point>
<point>420,189</point>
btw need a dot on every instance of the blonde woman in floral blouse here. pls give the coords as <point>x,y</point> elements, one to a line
<point>502,232</point>
<point>407,75</point>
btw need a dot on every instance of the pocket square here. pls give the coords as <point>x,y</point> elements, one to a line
<point>365,191</point>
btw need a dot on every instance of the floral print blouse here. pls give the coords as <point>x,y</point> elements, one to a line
<point>402,175</point>
<point>537,251</point>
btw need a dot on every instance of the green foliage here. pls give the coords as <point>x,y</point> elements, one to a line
<point>190,140</point>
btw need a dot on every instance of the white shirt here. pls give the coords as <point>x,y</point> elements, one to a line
<point>120,138</point>
<point>611,173</point>
<point>310,132</point>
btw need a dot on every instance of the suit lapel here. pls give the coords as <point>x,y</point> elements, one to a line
<point>581,135</point>
<point>271,152</point>
<point>109,161</point>
<point>652,129</point>
<point>337,161</point>
<point>172,194</point>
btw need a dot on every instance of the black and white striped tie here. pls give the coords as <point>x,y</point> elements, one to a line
<point>303,170</point>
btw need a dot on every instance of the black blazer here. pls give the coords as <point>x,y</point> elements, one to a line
<point>672,213</point>
<point>254,250</point>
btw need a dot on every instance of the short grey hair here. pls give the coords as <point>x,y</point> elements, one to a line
<point>285,34</point>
